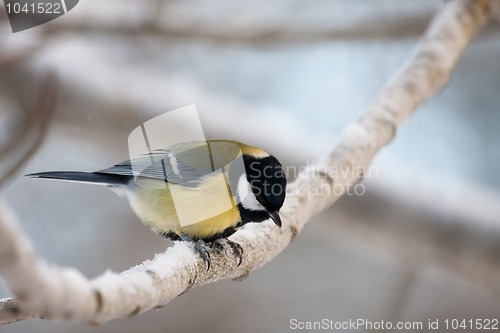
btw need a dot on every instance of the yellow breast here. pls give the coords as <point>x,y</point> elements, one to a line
<point>197,212</point>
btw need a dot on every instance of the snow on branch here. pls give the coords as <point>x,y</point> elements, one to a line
<point>49,292</point>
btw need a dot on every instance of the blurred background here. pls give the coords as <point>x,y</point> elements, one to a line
<point>422,241</point>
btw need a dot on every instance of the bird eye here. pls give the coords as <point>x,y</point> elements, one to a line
<point>260,199</point>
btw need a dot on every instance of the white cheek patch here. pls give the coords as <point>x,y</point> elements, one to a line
<point>246,196</point>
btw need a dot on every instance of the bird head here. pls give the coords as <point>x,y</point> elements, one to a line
<point>261,191</point>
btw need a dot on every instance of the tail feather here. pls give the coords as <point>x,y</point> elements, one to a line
<point>83,177</point>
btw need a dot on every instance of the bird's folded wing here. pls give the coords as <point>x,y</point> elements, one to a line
<point>180,168</point>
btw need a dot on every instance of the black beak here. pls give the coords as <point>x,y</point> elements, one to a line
<point>276,217</point>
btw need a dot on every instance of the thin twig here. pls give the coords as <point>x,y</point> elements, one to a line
<point>278,33</point>
<point>43,290</point>
<point>25,143</point>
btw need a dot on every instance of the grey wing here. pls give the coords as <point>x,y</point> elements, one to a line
<point>159,164</point>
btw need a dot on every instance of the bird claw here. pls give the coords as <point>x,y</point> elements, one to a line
<point>237,250</point>
<point>199,248</point>
<point>202,251</point>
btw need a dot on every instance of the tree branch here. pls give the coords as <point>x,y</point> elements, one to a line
<point>9,311</point>
<point>64,294</point>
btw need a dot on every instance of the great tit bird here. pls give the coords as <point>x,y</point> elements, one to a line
<point>198,190</point>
